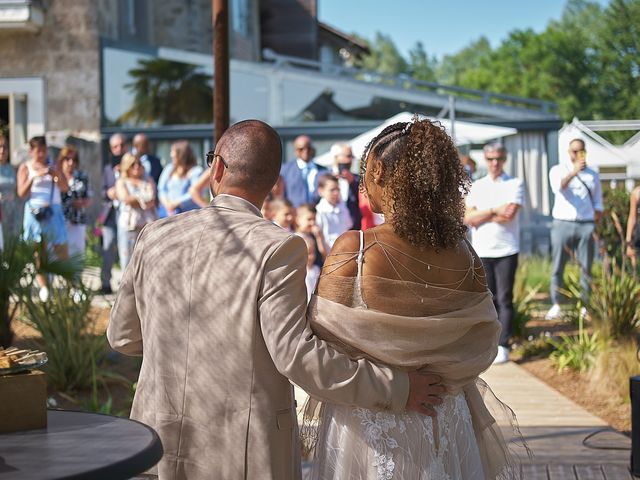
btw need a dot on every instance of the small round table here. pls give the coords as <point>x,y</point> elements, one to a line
<point>80,445</point>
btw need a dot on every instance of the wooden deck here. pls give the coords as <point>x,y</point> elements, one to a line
<point>554,428</point>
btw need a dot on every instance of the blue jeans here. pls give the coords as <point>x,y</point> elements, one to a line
<point>571,238</point>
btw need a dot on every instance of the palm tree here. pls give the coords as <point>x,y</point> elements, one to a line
<point>168,92</point>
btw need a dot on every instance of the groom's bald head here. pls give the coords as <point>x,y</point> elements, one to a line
<point>253,151</point>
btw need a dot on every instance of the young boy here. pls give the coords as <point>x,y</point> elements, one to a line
<point>283,213</point>
<point>332,215</point>
<point>306,223</point>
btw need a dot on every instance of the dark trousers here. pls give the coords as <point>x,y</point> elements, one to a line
<point>501,274</point>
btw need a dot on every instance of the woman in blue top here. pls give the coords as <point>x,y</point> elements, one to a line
<point>177,178</point>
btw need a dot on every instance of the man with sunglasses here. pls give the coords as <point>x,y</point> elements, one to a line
<point>492,212</point>
<point>215,301</point>
<point>301,175</point>
<point>576,211</point>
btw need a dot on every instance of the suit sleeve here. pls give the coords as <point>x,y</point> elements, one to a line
<point>308,361</point>
<point>124,331</point>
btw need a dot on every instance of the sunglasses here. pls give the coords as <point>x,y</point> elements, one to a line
<point>305,147</point>
<point>211,156</point>
<point>499,159</point>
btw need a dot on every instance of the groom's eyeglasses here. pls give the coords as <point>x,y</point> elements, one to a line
<point>211,156</point>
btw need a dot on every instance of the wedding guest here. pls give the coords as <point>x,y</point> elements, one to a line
<point>221,350</point>
<point>151,163</point>
<point>301,175</point>
<point>136,196</point>
<point>42,185</point>
<point>107,218</point>
<point>332,214</point>
<point>306,224</point>
<point>283,213</point>
<point>349,182</point>
<point>75,200</point>
<point>177,178</point>
<point>492,208</point>
<point>632,238</point>
<point>577,209</point>
<point>7,182</point>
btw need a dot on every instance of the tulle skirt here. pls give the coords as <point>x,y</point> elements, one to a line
<point>362,444</point>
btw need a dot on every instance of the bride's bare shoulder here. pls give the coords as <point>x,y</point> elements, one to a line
<point>341,260</point>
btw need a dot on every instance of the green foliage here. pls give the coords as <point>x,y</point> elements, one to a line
<point>587,62</point>
<point>613,225</point>
<point>523,295</point>
<point>384,57</point>
<point>614,302</point>
<point>169,93</point>
<point>93,252</point>
<point>17,271</point>
<point>421,66</point>
<point>535,272</point>
<point>534,348</point>
<point>67,328</point>
<point>575,352</point>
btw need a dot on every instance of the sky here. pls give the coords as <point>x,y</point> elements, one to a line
<point>443,26</point>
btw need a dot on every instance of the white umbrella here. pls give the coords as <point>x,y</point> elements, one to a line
<point>466,133</point>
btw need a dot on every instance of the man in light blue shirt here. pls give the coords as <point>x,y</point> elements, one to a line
<point>576,211</point>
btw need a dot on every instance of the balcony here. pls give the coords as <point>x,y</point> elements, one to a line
<point>25,15</point>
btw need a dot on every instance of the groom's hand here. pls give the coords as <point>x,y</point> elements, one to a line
<point>425,390</point>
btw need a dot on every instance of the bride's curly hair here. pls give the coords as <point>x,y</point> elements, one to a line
<point>424,180</point>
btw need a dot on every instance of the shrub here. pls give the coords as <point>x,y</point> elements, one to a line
<point>614,364</point>
<point>575,352</point>
<point>614,219</point>
<point>67,328</point>
<point>614,301</point>
<point>523,295</point>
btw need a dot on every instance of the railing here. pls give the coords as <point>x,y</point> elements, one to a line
<point>407,83</point>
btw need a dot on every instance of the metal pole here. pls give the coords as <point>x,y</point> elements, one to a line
<point>220,67</point>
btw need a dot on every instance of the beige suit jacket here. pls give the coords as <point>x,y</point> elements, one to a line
<point>214,300</point>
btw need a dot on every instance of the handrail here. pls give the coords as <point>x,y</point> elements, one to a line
<point>404,81</point>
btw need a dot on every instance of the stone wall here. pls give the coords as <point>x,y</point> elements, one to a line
<point>65,52</point>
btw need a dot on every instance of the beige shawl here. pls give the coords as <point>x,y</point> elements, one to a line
<point>451,333</point>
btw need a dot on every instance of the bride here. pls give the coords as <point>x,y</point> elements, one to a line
<point>410,293</point>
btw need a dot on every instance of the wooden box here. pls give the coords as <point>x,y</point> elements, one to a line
<point>23,401</point>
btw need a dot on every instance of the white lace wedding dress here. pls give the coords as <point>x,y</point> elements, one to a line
<point>362,444</point>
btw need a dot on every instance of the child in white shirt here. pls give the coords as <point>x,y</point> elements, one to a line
<point>332,214</point>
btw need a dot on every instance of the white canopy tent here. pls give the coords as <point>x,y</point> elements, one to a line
<point>465,133</point>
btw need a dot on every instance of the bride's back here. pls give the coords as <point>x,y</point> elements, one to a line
<point>398,277</point>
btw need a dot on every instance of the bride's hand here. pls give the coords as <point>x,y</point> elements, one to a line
<point>425,390</point>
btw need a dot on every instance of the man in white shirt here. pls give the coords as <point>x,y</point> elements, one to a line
<point>576,211</point>
<point>492,212</point>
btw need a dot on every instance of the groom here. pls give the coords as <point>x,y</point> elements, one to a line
<point>214,300</point>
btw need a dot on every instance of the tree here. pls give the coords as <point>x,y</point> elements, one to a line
<point>384,57</point>
<point>421,67</point>
<point>452,67</point>
<point>617,53</point>
<point>168,92</point>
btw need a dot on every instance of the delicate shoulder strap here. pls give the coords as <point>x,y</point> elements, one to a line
<point>360,254</point>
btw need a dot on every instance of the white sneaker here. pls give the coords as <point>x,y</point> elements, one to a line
<point>553,313</point>
<point>43,294</point>
<point>502,356</point>
<point>583,313</point>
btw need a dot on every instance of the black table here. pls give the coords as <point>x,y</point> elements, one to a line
<point>79,445</point>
